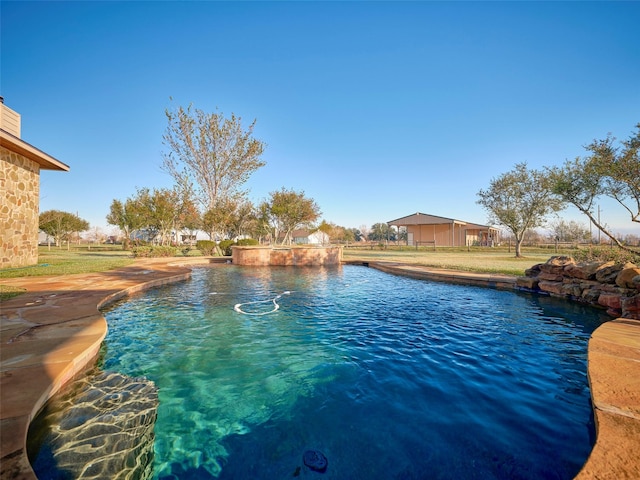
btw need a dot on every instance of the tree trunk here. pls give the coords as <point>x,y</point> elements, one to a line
<point>519,239</point>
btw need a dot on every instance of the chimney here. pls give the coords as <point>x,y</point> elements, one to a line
<point>9,120</point>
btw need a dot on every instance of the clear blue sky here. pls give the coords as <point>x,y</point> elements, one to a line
<point>376,110</point>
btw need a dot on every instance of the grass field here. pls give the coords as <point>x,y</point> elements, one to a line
<point>487,260</point>
<point>60,261</point>
<point>56,261</point>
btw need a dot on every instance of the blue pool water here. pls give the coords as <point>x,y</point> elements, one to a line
<point>389,377</point>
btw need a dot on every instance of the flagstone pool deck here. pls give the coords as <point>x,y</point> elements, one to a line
<point>54,330</point>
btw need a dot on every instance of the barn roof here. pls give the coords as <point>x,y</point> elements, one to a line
<point>427,219</point>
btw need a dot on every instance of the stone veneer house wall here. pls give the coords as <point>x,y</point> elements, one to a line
<point>20,165</point>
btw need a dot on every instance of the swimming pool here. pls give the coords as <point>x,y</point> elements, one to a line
<point>388,377</point>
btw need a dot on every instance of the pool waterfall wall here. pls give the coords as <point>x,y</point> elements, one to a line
<point>287,256</point>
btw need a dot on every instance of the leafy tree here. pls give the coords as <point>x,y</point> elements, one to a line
<point>161,208</point>
<point>620,170</point>
<point>189,218</point>
<point>519,200</point>
<point>230,218</point>
<point>356,234</point>
<point>60,225</point>
<point>343,234</point>
<point>158,213</point>
<point>243,219</point>
<point>210,154</point>
<point>381,232</point>
<point>127,217</point>
<point>337,233</point>
<point>579,183</point>
<point>288,210</point>
<point>330,230</point>
<point>259,225</point>
<point>219,219</point>
<point>610,171</point>
<point>402,234</point>
<point>347,235</point>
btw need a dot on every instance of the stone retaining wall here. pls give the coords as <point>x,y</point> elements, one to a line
<point>609,285</point>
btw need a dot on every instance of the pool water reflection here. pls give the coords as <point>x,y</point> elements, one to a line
<point>389,377</point>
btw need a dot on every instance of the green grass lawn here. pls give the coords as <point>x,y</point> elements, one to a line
<point>484,260</point>
<point>60,261</point>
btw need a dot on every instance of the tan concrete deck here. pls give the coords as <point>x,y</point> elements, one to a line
<point>54,330</point>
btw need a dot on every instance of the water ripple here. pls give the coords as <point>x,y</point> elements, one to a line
<point>390,377</point>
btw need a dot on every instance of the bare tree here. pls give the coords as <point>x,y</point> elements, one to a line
<point>210,154</point>
<point>571,231</point>
<point>96,235</point>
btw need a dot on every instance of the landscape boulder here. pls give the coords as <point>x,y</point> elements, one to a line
<point>591,295</point>
<point>610,273</point>
<point>557,264</point>
<point>534,271</point>
<point>528,283</point>
<point>626,276</point>
<point>555,288</point>
<point>611,285</point>
<point>586,270</point>
<point>612,301</point>
<point>631,307</point>
<point>572,290</point>
<point>550,277</point>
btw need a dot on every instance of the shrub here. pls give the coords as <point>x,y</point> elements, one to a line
<point>164,251</point>
<point>225,246</point>
<point>154,251</point>
<point>138,242</point>
<point>141,252</point>
<point>605,254</point>
<point>246,242</point>
<point>207,247</point>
